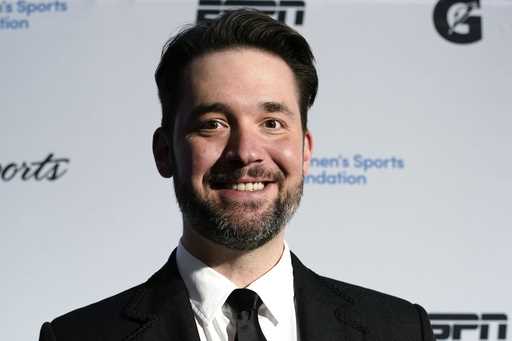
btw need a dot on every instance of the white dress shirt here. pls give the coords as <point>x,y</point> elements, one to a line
<point>208,291</point>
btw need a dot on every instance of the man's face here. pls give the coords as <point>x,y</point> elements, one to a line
<point>239,151</point>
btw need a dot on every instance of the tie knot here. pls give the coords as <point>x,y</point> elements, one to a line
<point>244,300</point>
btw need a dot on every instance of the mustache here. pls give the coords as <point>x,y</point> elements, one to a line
<point>232,175</point>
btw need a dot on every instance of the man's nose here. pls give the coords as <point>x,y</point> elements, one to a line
<point>244,146</point>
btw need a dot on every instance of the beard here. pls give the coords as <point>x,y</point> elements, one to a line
<point>236,225</point>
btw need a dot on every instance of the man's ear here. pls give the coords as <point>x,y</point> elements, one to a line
<point>307,151</point>
<point>162,152</point>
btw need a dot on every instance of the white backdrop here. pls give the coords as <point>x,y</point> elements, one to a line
<point>431,224</point>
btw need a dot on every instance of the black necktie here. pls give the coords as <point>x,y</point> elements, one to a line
<point>245,304</point>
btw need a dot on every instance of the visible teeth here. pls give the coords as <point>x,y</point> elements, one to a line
<point>248,186</point>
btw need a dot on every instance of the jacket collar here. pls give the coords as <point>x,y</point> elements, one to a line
<point>163,308</point>
<point>324,310</point>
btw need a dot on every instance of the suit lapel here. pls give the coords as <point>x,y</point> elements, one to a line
<point>324,312</point>
<point>163,308</point>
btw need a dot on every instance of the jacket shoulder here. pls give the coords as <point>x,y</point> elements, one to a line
<point>381,303</point>
<point>375,315</point>
<point>104,319</point>
<point>388,315</point>
<point>375,305</point>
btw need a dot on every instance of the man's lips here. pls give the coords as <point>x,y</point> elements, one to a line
<point>254,179</point>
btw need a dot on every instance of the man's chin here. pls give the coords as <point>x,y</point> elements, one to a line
<point>243,208</point>
<point>243,235</point>
<point>244,226</point>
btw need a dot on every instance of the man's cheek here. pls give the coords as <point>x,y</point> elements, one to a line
<point>202,158</point>
<point>286,156</point>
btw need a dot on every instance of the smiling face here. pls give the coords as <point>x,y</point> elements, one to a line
<point>238,152</point>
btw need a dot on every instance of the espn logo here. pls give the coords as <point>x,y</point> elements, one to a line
<point>279,10</point>
<point>469,326</point>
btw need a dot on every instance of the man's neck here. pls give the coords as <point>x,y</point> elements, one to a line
<point>240,267</point>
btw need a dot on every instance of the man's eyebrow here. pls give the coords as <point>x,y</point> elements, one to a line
<point>222,108</point>
<point>204,108</point>
<point>277,107</point>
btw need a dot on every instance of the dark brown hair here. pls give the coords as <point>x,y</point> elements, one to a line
<point>239,28</point>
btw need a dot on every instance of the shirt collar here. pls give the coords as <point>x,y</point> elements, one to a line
<point>275,288</point>
<point>208,289</point>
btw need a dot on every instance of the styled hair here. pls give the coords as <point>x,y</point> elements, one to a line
<point>234,29</point>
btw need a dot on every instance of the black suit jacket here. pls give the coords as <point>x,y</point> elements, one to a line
<point>159,310</point>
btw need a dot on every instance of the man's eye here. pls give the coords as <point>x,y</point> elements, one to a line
<point>211,125</point>
<point>272,124</point>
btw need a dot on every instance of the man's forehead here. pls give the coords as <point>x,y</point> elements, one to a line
<point>236,54</point>
<point>243,69</point>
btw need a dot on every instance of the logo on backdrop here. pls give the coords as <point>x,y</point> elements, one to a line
<point>458,21</point>
<point>354,170</point>
<point>469,326</point>
<point>17,15</point>
<point>49,168</point>
<point>288,12</point>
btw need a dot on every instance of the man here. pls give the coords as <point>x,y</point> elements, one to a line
<point>235,95</point>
